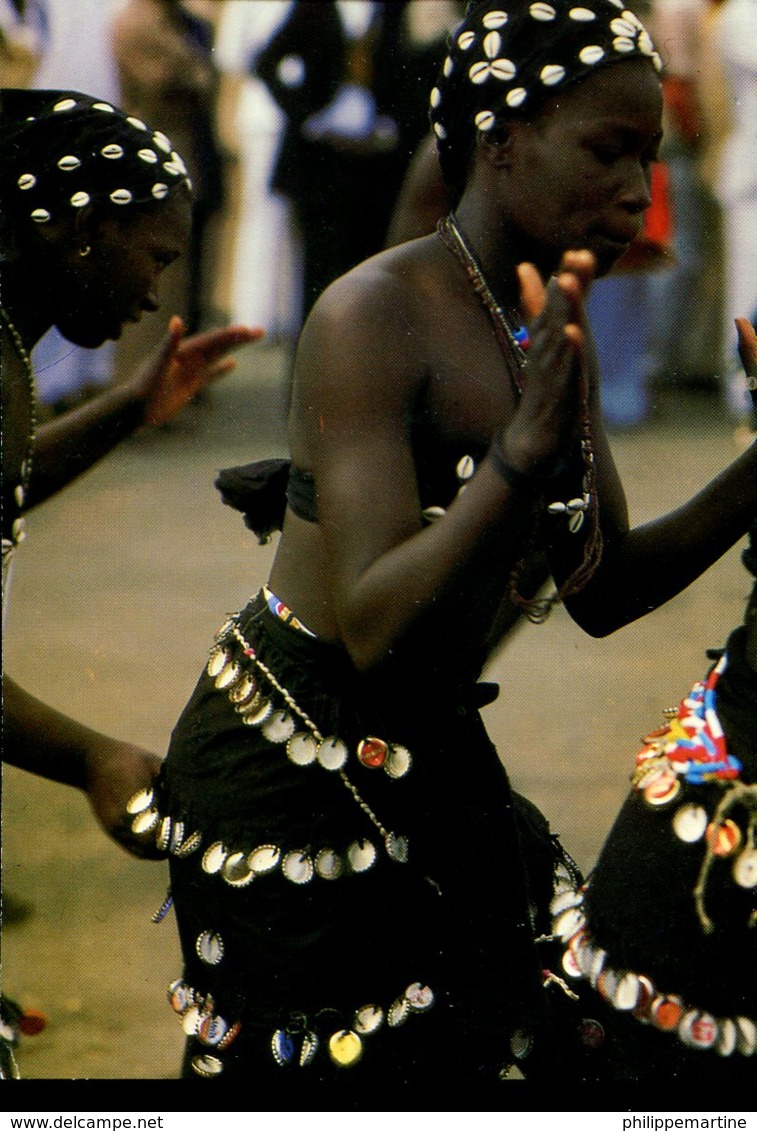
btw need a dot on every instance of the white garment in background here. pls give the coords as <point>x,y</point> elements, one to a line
<point>77,56</point>
<point>266,274</point>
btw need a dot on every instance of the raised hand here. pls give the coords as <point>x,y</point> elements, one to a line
<point>547,415</point>
<point>182,366</point>
<point>748,352</point>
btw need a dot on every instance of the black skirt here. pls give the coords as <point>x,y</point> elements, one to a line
<point>359,907</point>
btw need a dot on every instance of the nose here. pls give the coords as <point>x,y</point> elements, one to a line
<point>636,193</point>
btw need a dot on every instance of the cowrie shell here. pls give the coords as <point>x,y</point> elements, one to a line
<point>69,163</point>
<point>516,97</point>
<point>121,196</point>
<point>543,12</point>
<point>552,74</point>
<point>591,54</point>
<point>27,181</point>
<point>466,40</point>
<point>484,120</point>
<point>495,19</point>
<point>492,44</point>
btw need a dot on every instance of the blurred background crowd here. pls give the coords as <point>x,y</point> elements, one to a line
<point>299,120</point>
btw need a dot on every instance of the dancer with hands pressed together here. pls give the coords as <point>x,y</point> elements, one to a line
<point>357,889</point>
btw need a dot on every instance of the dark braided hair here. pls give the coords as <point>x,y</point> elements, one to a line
<point>506,59</point>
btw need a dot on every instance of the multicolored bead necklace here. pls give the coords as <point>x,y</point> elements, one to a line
<point>514,340</point>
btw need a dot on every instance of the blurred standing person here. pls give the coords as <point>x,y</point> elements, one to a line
<point>736,184</point>
<point>339,161</point>
<point>65,373</point>
<point>689,295</point>
<point>23,38</point>
<point>266,280</point>
<point>166,73</point>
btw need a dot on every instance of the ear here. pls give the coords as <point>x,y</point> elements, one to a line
<point>495,146</point>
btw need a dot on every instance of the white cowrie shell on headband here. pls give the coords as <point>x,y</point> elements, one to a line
<point>440,131</point>
<point>121,196</point>
<point>436,97</point>
<point>40,215</point>
<point>543,12</point>
<point>623,45</point>
<point>485,119</point>
<point>161,141</point>
<point>448,67</point>
<point>552,74</point>
<point>103,106</point>
<point>159,190</point>
<point>137,123</point>
<point>622,27</point>
<point>503,69</point>
<point>516,97</point>
<point>591,54</point>
<point>148,155</point>
<point>79,199</point>
<point>26,181</point>
<point>492,44</point>
<point>64,104</point>
<point>495,19</point>
<point>582,15</point>
<point>466,40</point>
<point>69,163</point>
<point>112,152</point>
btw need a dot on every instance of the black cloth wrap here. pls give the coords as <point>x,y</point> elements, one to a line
<point>456,916</point>
<point>641,906</point>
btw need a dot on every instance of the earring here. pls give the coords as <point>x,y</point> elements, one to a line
<point>84,250</point>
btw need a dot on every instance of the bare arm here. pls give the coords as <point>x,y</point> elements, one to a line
<point>168,380</point>
<point>43,741</point>
<point>644,567</point>
<point>395,584</point>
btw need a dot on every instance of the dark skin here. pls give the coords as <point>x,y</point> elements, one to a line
<point>399,369</point>
<point>90,297</point>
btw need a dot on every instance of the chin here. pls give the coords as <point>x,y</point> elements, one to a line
<point>89,336</point>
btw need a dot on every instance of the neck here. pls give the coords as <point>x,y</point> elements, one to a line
<point>497,246</point>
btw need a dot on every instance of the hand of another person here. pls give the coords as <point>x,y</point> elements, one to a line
<point>748,350</point>
<point>114,773</point>
<point>182,366</point>
<point>547,415</point>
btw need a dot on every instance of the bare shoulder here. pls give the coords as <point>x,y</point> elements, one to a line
<point>364,341</point>
<point>381,297</point>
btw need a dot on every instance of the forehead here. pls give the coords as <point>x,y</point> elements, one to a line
<point>626,94</point>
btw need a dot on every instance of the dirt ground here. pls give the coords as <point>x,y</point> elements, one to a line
<point>115,598</point>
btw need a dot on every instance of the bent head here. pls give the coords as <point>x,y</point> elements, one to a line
<point>563,101</point>
<point>94,206</point>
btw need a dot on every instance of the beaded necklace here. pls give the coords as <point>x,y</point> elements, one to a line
<point>514,343</point>
<point>22,488</point>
